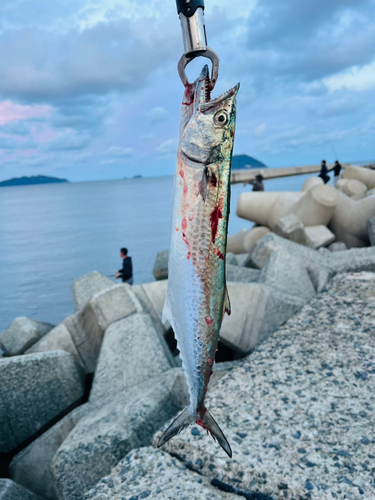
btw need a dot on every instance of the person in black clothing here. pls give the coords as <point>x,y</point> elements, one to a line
<point>323,172</point>
<point>126,273</point>
<point>336,169</point>
<point>258,183</point>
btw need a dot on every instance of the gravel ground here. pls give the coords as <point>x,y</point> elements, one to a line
<point>299,411</point>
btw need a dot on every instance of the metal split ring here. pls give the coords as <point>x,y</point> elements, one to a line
<point>185,60</point>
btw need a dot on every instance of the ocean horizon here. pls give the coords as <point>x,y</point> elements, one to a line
<point>51,234</point>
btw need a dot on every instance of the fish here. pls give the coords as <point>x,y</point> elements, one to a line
<point>197,295</point>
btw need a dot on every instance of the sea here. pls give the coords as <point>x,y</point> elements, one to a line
<point>51,234</point>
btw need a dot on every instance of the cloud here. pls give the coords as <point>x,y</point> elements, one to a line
<point>68,141</point>
<point>260,129</point>
<point>157,114</point>
<point>356,78</point>
<point>118,152</point>
<point>41,65</point>
<point>11,111</point>
<point>167,147</point>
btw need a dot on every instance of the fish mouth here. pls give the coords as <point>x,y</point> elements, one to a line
<point>203,92</point>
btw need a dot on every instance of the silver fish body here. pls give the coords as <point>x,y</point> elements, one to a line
<point>197,296</point>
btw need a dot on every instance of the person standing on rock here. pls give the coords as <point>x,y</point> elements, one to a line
<point>324,172</point>
<point>258,183</point>
<point>336,169</point>
<point>126,273</point>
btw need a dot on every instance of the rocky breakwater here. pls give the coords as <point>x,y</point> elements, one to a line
<point>89,394</point>
<point>317,216</point>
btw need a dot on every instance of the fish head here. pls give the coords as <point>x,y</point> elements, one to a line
<point>208,132</point>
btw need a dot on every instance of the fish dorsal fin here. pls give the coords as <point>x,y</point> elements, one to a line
<point>227,307</point>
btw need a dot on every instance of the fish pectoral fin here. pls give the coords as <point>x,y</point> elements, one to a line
<point>167,313</point>
<point>208,423</point>
<point>180,423</point>
<point>203,184</point>
<point>227,306</point>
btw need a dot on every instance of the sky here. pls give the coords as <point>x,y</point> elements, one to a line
<point>89,89</point>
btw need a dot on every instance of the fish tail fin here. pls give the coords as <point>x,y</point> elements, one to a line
<point>208,422</point>
<point>180,423</point>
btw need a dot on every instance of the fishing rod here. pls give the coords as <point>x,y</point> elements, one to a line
<point>191,13</point>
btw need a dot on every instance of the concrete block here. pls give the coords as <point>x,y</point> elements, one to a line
<point>291,228</point>
<point>240,274</point>
<point>154,474</point>
<point>230,258</point>
<point>312,182</point>
<point>34,390</point>
<point>287,277</point>
<point>12,491</point>
<point>22,334</point>
<point>245,240</point>
<point>132,352</point>
<point>102,438</point>
<point>31,467</point>
<point>354,260</point>
<point>152,297</point>
<point>318,236</point>
<point>349,220</point>
<point>337,246</point>
<point>365,175</point>
<point>160,270</point>
<point>87,327</point>
<point>57,339</point>
<point>87,286</point>
<point>371,229</point>
<point>257,312</point>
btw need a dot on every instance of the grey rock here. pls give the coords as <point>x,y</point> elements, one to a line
<point>242,259</point>
<point>297,390</point>
<point>231,259</point>
<point>354,260</point>
<point>12,491</point>
<point>318,236</point>
<point>291,228</point>
<point>153,474</point>
<point>85,287</point>
<point>22,334</point>
<point>337,246</point>
<point>371,229</point>
<point>57,339</point>
<point>132,352</point>
<point>87,327</point>
<point>160,270</point>
<point>241,274</point>
<point>109,432</point>
<point>35,389</point>
<point>32,466</point>
<point>152,298</point>
<point>257,311</point>
<point>287,276</point>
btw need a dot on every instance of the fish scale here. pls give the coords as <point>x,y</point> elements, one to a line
<point>197,295</point>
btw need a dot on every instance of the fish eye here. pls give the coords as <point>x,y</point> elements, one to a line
<point>221,118</point>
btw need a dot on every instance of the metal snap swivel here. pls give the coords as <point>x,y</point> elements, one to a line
<point>185,60</point>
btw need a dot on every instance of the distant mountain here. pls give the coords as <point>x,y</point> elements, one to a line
<point>245,162</point>
<point>35,179</point>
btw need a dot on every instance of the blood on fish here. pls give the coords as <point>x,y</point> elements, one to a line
<point>188,255</point>
<point>209,361</point>
<point>184,238</point>
<point>214,180</point>
<point>185,189</point>
<point>184,224</point>
<point>190,217</point>
<point>182,173</point>
<point>209,320</point>
<point>216,214</point>
<point>219,254</point>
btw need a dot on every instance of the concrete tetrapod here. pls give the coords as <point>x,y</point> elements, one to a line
<point>362,174</point>
<point>349,220</point>
<point>245,240</point>
<point>312,182</point>
<point>256,206</point>
<point>351,187</point>
<point>317,206</point>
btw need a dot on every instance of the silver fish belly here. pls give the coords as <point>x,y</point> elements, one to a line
<point>197,296</point>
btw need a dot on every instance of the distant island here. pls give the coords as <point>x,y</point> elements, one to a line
<point>240,162</point>
<point>34,179</point>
